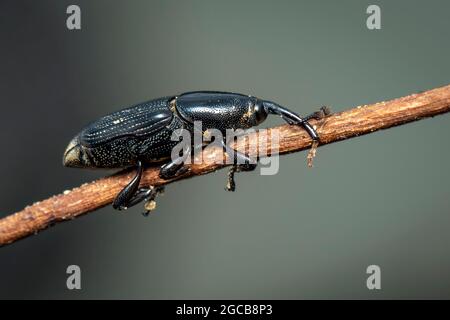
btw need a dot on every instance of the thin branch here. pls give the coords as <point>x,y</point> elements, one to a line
<point>340,126</point>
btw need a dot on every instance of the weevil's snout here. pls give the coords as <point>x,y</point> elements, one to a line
<point>75,156</point>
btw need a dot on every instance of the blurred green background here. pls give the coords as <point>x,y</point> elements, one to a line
<point>381,199</point>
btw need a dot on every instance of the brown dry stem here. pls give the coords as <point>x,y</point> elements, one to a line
<point>339,126</point>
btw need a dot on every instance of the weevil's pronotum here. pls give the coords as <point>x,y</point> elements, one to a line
<point>142,133</point>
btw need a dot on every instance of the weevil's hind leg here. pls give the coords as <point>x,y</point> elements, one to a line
<point>148,195</point>
<point>144,194</point>
<point>123,199</point>
<point>131,195</point>
<point>241,163</point>
<point>175,167</point>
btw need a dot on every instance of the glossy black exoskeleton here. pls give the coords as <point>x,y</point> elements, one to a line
<point>142,134</point>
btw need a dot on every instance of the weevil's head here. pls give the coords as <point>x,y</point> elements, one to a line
<point>257,113</point>
<point>76,156</point>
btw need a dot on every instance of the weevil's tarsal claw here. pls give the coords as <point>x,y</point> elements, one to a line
<point>149,206</point>
<point>150,203</point>
<point>231,184</point>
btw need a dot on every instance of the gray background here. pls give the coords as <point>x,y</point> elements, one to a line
<point>381,199</point>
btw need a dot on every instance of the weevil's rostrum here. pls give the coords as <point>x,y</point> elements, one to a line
<point>142,134</point>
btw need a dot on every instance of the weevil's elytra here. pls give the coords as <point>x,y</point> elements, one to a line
<point>142,133</point>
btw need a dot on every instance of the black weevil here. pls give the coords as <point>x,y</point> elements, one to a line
<point>142,133</point>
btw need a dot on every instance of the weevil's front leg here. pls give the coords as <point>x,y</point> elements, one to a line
<point>241,162</point>
<point>128,194</point>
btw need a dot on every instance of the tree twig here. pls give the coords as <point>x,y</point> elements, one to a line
<point>340,126</point>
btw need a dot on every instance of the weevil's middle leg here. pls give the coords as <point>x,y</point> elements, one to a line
<point>175,167</point>
<point>172,169</point>
<point>241,162</point>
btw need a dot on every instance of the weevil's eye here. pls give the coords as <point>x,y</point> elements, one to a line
<point>260,112</point>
